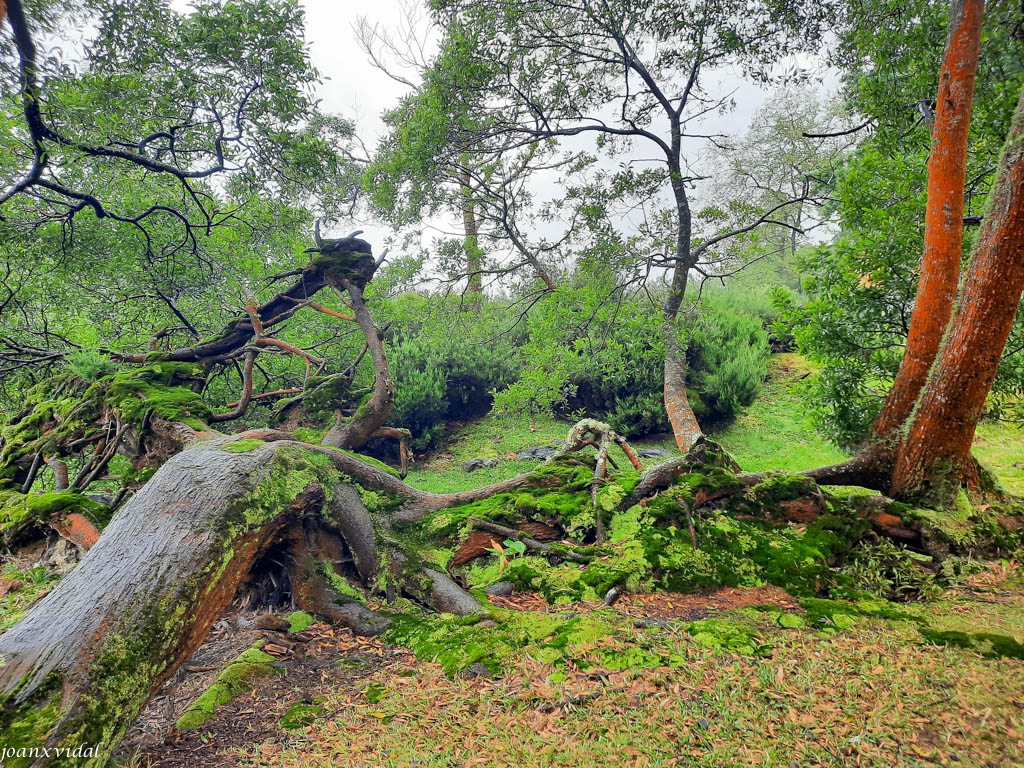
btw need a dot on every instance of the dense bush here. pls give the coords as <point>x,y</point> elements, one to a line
<point>728,358</point>
<point>446,365</point>
<point>591,351</point>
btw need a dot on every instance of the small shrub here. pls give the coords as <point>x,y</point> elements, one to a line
<point>888,570</point>
<point>89,364</point>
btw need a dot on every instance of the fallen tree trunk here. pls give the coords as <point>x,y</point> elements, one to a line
<point>85,659</point>
<point>79,667</point>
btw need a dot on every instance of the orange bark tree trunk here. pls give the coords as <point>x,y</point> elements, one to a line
<point>943,237</point>
<point>934,455</point>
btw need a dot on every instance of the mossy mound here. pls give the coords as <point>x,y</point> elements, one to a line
<point>989,645</point>
<point>300,716</point>
<point>233,680</point>
<point>300,621</point>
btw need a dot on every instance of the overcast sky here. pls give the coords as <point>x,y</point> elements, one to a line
<point>353,87</point>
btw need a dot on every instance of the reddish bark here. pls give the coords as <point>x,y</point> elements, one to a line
<point>943,236</point>
<point>934,457</point>
<point>77,529</point>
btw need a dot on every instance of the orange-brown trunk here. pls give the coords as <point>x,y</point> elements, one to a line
<point>943,238</point>
<point>934,456</point>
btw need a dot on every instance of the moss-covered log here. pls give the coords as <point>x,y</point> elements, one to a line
<point>81,664</point>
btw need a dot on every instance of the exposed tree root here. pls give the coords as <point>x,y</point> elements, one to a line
<point>537,546</point>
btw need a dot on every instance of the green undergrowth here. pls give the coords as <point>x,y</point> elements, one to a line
<point>64,408</point>
<point>232,681</point>
<point>651,546</point>
<point>581,638</point>
<point>1000,446</point>
<point>603,639</point>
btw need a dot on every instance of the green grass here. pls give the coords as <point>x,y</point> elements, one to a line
<point>485,438</point>
<point>1000,447</point>
<point>775,432</point>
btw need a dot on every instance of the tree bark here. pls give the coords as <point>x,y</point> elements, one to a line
<point>680,415</point>
<point>89,654</point>
<point>943,237</point>
<point>934,456</point>
<point>473,263</point>
<point>371,415</point>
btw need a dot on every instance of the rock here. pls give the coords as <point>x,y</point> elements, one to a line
<point>474,464</point>
<point>61,556</point>
<point>653,453</point>
<point>536,454</point>
<point>501,589</point>
<point>476,670</point>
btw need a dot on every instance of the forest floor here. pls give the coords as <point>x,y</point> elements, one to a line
<point>875,694</point>
<point>806,683</point>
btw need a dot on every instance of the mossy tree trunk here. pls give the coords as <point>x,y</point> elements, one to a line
<point>85,659</point>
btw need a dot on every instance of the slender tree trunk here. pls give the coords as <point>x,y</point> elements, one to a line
<point>934,456</point>
<point>680,415</point>
<point>371,415</point>
<point>473,261</point>
<point>943,239</point>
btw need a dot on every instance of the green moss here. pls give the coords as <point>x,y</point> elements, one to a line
<point>456,643</point>
<point>292,469</point>
<point>300,716</point>
<point>242,446</point>
<point>64,408</point>
<point>299,622</point>
<point>233,680</point>
<point>840,614</point>
<point>726,635</point>
<point>163,389</point>
<point>989,645</point>
<point>29,724</point>
<point>19,509</point>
